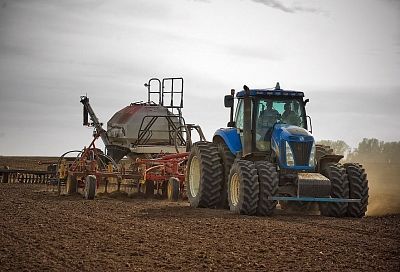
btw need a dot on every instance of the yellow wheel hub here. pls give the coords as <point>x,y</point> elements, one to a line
<point>234,189</point>
<point>194,176</point>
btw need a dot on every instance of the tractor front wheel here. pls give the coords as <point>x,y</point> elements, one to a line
<point>336,173</point>
<point>268,185</point>
<point>243,188</point>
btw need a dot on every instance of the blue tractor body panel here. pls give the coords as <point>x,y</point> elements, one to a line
<point>281,134</point>
<point>231,138</point>
<point>292,135</point>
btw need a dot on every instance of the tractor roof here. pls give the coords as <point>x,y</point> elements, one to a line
<point>271,92</point>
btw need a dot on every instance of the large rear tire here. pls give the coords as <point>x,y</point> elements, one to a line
<point>227,159</point>
<point>268,186</point>
<point>322,150</point>
<point>243,188</point>
<point>358,184</point>
<point>90,187</point>
<point>339,189</point>
<point>204,175</point>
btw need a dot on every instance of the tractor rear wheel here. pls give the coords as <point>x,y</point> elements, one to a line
<point>173,189</point>
<point>227,159</point>
<point>90,187</point>
<point>204,175</point>
<point>243,188</point>
<point>268,186</point>
<point>72,184</point>
<point>322,150</point>
<point>358,189</point>
<point>339,189</point>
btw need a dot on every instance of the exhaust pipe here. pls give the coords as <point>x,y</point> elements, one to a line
<point>85,116</point>
<point>85,100</point>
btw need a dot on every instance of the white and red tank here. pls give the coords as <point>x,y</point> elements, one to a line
<point>143,124</point>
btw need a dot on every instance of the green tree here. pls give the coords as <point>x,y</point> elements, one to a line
<point>373,150</point>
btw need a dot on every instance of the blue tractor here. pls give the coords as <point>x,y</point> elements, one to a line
<point>266,156</point>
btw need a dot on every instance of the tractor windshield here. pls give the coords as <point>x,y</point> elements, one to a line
<point>276,110</point>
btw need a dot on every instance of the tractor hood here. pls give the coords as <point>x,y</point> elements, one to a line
<point>291,133</point>
<point>288,139</point>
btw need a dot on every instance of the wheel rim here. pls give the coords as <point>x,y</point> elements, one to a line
<point>169,190</point>
<point>194,176</point>
<point>234,189</point>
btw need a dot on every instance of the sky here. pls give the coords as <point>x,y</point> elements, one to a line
<point>344,55</point>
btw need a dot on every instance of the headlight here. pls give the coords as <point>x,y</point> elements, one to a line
<point>289,156</point>
<point>311,162</point>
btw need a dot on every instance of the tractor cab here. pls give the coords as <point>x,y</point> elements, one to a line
<point>271,123</point>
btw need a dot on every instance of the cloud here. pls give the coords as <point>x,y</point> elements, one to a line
<point>279,5</point>
<point>292,9</point>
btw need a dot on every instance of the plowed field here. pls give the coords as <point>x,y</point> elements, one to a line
<point>42,231</point>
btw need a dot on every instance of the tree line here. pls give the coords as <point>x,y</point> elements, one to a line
<point>368,150</point>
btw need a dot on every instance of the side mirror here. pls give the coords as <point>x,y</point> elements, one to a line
<point>306,101</point>
<point>228,101</point>
<point>309,127</point>
<point>231,124</point>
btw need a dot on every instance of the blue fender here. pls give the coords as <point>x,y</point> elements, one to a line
<point>231,138</point>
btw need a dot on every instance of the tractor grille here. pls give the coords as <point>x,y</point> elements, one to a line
<point>301,152</point>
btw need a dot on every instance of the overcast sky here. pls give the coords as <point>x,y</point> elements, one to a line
<point>345,56</point>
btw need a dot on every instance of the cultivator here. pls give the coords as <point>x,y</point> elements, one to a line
<point>154,139</point>
<point>162,175</point>
<point>8,175</point>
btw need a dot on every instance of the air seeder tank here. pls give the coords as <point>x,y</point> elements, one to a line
<point>147,127</point>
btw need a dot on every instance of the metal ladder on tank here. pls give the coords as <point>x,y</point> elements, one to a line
<point>161,91</point>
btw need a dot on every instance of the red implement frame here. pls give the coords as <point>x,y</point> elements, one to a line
<point>157,170</point>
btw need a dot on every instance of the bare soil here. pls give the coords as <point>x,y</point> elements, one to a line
<point>43,231</point>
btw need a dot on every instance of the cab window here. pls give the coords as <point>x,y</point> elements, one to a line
<point>239,115</point>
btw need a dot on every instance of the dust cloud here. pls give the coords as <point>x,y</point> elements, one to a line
<point>384,188</point>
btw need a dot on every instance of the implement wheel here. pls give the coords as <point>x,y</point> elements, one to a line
<point>339,189</point>
<point>148,189</point>
<point>358,189</point>
<point>164,190</point>
<point>268,186</point>
<point>72,184</point>
<point>227,159</point>
<point>204,175</point>
<point>173,189</point>
<point>90,187</point>
<point>243,188</point>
